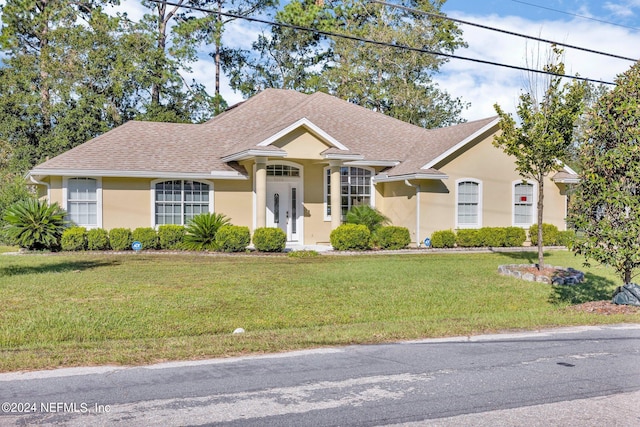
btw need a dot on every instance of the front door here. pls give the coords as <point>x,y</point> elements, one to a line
<point>283,208</point>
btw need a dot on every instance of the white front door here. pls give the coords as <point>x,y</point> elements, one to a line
<point>283,208</point>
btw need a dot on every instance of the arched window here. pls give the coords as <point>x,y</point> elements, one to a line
<point>83,201</point>
<point>468,203</point>
<point>177,201</point>
<point>355,189</point>
<point>523,204</point>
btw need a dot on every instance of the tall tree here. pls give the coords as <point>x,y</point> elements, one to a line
<point>545,134</point>
<point>59,84</point>
<point>606,204</point>
<point>394,81</point>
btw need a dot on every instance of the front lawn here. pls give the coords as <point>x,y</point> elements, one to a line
<point>88,309</point>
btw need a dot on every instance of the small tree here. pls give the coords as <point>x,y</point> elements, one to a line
<point>545,133</point>
<point>606,205</point>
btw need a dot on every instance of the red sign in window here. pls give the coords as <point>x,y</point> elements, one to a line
<point>523,198</point>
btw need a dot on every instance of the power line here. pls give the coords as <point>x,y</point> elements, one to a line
<point>576,15</point>
<point>379,43</point>
<point>511,33</point>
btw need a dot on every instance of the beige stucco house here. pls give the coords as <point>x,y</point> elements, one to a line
<point>298,162</point>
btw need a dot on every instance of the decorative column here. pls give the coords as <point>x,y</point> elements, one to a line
<point>261,192</point>
<point>336,190</point>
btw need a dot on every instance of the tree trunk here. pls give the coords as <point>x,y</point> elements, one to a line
<point>540,205</point>
<point>627,275</point>
<point>45,91</point>
<point>218,37</point>
<point>161,46</point>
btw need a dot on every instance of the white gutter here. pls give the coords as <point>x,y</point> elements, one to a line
<point>396,178</point>
<point>46,184</point>
<point>137,174</point>
<point>417,187</point>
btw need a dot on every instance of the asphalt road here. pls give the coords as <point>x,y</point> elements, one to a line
<point>587,376</point>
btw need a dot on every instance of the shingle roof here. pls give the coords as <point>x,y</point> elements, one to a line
<point>189,148</point>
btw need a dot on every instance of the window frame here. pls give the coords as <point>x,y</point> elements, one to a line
<point>478,223</point>
<point>182,201</point>
<point>534,203</point>
<point>327,180</point>
<point>98,201</point>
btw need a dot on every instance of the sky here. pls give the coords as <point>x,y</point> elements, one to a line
<point>613,27</point>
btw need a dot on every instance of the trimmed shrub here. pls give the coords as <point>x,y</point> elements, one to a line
<point>349,237</point>
<point>393,237</point>
<point>32,224</point>
<point>74,239</point>
<point>97,239</point>
<point>549,234</point>
<point>120,239</point>
<point>443,239</point>
<point>270,239</point>
<point>201,231</point>
<point>171,236</point>
<point>147,236</point>
<point>566,238</point>
<point>493,237</point>
<point>468,238</point>
<point>233,238</point>
<point>515,236</point>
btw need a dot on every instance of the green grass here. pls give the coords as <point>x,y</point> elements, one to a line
<point>87,309</point>
<point>4,249</point>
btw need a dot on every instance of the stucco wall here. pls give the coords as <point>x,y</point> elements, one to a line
<point>398,202</point>
<point>126,202</point>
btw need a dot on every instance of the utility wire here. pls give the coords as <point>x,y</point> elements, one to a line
<point>576,15</point>
<point>486,27</point>
<point>379,43</point>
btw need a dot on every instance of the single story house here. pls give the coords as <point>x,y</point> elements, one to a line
<point>298,162</point>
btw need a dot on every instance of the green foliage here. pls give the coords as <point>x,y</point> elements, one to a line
<point>605,207</point>
<point>201,231</point>
<point>171,236</point>
<point>566,238</point>
<point>545,134</point>
<point>74,239</point>
<point>393,237</point>
<point>493,237</point>
<point>549,234</point>
<point>233,238</point>
<point>468,238</point>
<point>13,189</point>
<point>303,254</point>
<point>120,239</point>
<point>367,216</point>
<point>394,82</point>
<point>443,239</point>
<point>269,239</point>
<point>32,224</point>
<point>97,239</point>
<point>147,236</point>
<point>515,236</point>
<point>349,237</point>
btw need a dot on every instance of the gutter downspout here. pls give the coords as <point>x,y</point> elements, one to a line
<point>417,187</point>
<point>46,184</point>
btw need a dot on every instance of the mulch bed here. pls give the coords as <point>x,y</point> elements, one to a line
<point>605,307</point>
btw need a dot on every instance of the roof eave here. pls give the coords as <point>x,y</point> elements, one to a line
<point>410,176</point>
<point>42,173</point>
<point>253,153</point>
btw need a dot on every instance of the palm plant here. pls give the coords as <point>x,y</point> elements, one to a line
<point>366,215</point>
<point>32,224</point>
<point>201,231</point>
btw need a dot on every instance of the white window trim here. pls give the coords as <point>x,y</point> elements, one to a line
<point>153,196</point>
<point>478,224</point>
<point>534,203</point>
<point>372,193</point>
<point>65,199</point>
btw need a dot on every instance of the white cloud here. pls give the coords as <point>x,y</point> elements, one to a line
<point>619,10</point>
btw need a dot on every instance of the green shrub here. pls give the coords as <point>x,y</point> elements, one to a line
<point>171,236</point>
<point>32,224</point>
<point>493,237</point>
<point>201,231</point>
<point>303,254</point>
<point>393,237</point>
<point>468,238</point>
<point>147,236</point>
<point>549,234</point>
<point>443,239</point>
<point>233,238</point>
<point>515,236</point>
<point>74,239</point>
<point>366,215</point>
<point>268,239</point>
<point>13,188</point>
<point>120,239</point>
<point>97,239</point>
<point>350,237</point>
<point>566,238</point>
